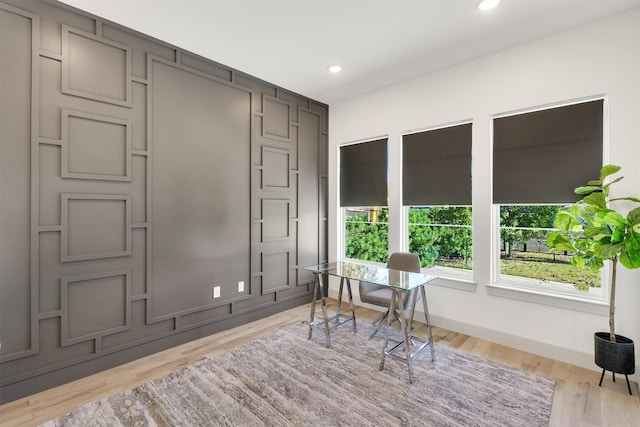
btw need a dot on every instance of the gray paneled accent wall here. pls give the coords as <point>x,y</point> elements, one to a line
<point>135,179</point>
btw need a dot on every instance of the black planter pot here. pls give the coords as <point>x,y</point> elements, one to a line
<point>618,357</point>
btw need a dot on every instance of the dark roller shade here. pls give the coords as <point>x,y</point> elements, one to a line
<point>436,167</point>
<point>363,174</point>
<point>542,156</point>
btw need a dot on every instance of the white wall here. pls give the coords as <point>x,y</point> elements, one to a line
<point>599,59</point>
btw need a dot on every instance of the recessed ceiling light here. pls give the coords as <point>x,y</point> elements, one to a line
<point>335,68</point>
<point>488,4</point>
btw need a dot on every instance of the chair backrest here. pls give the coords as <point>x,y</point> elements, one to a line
<point>404,261</point>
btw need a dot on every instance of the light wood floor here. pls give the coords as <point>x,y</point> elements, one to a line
<point>578,401</point>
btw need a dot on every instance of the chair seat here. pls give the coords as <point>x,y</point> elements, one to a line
<point>380,297</point>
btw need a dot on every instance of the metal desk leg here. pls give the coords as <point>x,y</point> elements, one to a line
<point>407,342</point>
<point>319,289</point>
<point>411,314</point>
<point>313,305</point>
<point>327,322</point>
<point>386,335</point>
<point>353,312</point>
<point>428,320</point>
<point>339,299</point>
<point>324,311</point>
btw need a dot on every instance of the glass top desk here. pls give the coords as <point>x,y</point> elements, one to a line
<point>400,283</point>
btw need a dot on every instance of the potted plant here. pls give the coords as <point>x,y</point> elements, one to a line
<point>593,232</point>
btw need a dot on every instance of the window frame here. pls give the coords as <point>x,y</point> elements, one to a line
<point>449,274</point>
<point>596,299</point>
<point>342,209</point>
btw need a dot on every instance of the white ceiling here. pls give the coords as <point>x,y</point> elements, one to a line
<point>291,43</point>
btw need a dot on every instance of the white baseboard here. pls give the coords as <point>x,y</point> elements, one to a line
<point>584,360</point>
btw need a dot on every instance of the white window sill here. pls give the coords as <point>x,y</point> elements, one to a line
<point>552,294</point>
<point>453,278</point>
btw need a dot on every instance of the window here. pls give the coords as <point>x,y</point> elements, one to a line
<point>366,233</point>
<point>539,158</point>
<point>441,235</point>
<point>524,253</point>
<point>363,198</point>
<point>436,177</point>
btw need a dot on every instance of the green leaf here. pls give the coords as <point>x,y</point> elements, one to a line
<point>608,250</point>
<point>613,182</point>
<point>596,232</point>
<point>593,230</point>
<point>614,219</point>
<point>618,235</point>
<point>582,245</point>
<point>587,190</point>
<point>597,199</point>
<point>595,182</point>
<point>562,220</point>
<point>552,237</point>
<point>630,259</point>
<point>633,217</point>
<point>608,170</point>
<point>606,240</point>
<point>631,199</point>
<point>595,263</point>
<point>559,242</point>
<point>632,242</point>
<point>598,220</point>
<point>576,228</point>
<point>591,209</point>
<point>578,261</point>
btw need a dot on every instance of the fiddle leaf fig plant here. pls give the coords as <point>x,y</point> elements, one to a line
<point>593,232</point>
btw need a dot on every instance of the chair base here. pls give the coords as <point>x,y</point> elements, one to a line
<point>381,321</point>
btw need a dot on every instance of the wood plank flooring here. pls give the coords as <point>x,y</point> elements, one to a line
<point>578,401</point>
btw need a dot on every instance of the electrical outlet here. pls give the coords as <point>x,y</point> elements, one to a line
<point>241,286</point>
<point>216,291</point>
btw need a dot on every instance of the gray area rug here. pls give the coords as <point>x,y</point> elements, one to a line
<point>284,379</point>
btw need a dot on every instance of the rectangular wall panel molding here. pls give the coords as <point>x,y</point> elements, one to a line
<point>95,147</point>
<point>200,214</point>
<point>275,220</point>
<point>19,93</point>
<point>135,178</point>
<point>94,305</point>
<point>308,239</point>
<point>276,174</point>
<point>95,226</point>
<point>276,122</point>
<point>95,68</point>
<point>275,271</point>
